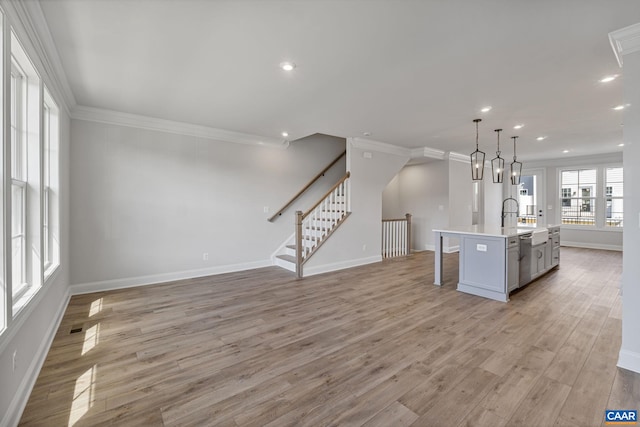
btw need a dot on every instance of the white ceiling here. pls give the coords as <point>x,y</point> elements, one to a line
<point>412,73</point>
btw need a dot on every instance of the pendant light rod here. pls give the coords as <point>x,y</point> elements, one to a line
<point>498,132</point>
<point>476,121</point>
<point>514,147</point>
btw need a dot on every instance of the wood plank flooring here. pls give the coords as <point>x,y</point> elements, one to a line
<point>377,345</point>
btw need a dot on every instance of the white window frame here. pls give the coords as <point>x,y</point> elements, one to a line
<point>599,210</point>
<point>26,164</point>
<point>18,173</point>
<point>577,200</point>
<point>50,183</point>
<point>24,176</point>
<point>609,221</point>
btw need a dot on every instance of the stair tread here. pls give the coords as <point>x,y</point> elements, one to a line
<point>288,258</point>
<point>291,247</point>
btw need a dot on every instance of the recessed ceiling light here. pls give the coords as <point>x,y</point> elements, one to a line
<point>565,151</point>
<point>621,145</point>
<point>366,133</point>
<point>486,109</point>
<point>608,79</point>
<point>618,107</point>
<point>518,126</point>
<point>287,66</point>
<point>285,134</point>
<point>541,138</point>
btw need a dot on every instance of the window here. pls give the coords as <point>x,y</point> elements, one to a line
<point>50,227</point>
<point>18,182</point>
<point>31,186</point>
<point>566,197</point>
<point>592,197</point>
<point>26,149</point>
<point>580,186</point>
<point>613,197</point>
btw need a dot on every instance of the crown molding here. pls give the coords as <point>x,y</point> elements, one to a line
<point>30,25</point>
<point>381,147</point>
<point>111,117</point>
<point>431,153</point>
<point>625,41</point>
<point>457,157</point>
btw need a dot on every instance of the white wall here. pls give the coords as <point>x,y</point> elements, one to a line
<point>391,203</point>
<point>358,240</point>
<point>460,193</point>
<point>421,190</point>
<point>630,349</point>
<point>32,331</point>
<point>493,197</point>
<point>147,205</point>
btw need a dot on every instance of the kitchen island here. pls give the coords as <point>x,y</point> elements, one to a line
<point>495,261</point>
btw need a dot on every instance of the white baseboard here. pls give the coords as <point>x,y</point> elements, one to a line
<point>445,249</point>
<point>588,245</point>
<point>629,360</point>
<point>335,266</point>
<point>130,282</point>
<point>20,399</point>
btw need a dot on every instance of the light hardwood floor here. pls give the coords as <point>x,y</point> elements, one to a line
<point>377,345</point>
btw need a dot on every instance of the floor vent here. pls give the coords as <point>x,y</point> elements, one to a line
<point>75,330</point>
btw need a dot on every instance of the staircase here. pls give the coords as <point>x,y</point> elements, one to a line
<point>314,226</point>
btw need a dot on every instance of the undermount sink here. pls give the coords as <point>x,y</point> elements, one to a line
<point>539,236</point>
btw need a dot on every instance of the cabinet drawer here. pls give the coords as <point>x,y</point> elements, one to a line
<point>555,240</point>
<point>513,242</point>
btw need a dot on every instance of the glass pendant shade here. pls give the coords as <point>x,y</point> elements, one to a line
<point>477,159</point>
<point>497,168</point>
<point>516,172</point>
<point>477,165</point>
<point>516,166</point>
<point>497,164</point>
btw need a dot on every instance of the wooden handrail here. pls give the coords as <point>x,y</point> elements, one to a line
<point>343,179</point>
<point>306,187</point>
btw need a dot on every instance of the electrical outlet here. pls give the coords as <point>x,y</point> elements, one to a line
<point>364,248</point>
<point>266,209</point>
<point>13,362</point>
<point>205,256</point>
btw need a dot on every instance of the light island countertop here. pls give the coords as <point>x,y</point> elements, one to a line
<point>491,231</point>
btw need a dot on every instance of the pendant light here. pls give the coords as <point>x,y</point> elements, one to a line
<point>497,164</point>
<point>516,166</point>
<point>477,158</point>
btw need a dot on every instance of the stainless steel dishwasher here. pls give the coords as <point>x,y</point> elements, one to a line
<point>525,260</point>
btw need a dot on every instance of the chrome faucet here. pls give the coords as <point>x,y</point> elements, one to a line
<point>505,213</point>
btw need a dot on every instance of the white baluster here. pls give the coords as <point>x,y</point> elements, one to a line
<point>384,240</point>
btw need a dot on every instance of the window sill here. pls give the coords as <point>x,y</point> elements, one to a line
<point>50,273</point>
<point>591,228</point>
<point>23,301</point>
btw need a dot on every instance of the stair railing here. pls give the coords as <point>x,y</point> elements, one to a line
<point>306,187</point>
<point>396,237</point>
<point>314,226</point>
